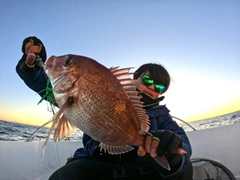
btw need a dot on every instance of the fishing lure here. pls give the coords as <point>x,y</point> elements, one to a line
<point>48,96</point>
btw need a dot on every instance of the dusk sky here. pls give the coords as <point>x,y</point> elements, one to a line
<point>197,41</point>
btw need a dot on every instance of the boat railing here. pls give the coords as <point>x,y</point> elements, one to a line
<point>35,132</point>
<point>184,122</point>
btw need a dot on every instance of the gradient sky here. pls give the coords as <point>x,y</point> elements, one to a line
<point>197,41</point>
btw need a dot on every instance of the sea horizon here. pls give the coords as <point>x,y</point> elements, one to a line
<point>14,131</point>
<point>173,116</point>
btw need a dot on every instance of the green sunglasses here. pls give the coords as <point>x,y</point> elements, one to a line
<point>147,81</point>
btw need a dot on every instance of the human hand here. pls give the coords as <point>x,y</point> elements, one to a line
<point>163,143</point>
<point>31,47</point>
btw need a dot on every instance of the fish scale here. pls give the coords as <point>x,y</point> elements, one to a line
<point>95,115</point>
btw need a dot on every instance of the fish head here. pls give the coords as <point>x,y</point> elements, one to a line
<point>62,72</point>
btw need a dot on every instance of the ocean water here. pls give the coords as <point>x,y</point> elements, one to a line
<point>10,131</point>
<point>223,120</point>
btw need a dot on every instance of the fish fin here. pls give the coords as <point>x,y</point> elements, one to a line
<point>55,120</point>
<point>129,85</point>
<point>64,129</point>
<point>115,149</point>
<point>180,151</point>
<point>163,162</point>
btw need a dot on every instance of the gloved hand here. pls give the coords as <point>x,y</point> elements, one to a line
<point>162,143</point>
<point>31,47</point>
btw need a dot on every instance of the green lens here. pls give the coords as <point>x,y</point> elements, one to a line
<point>158,87</point>
<point>147,81</point>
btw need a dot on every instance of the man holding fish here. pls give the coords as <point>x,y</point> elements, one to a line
<point>127,134</point>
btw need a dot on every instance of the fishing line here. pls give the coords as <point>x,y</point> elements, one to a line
<point>49,94</point>
<point>64,36</point>
<point>65,31</point>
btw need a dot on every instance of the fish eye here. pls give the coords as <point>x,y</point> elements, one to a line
<point>68,61</point>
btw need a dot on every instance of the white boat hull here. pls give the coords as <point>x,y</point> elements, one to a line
<point>22,160</point>
<point>220,144</point>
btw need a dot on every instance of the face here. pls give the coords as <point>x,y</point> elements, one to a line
<point>148,90</point>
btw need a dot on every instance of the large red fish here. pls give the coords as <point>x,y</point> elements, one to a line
<point>101,102</point>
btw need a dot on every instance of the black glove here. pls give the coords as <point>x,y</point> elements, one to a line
<point>32,43</point>
<point>169,142</point>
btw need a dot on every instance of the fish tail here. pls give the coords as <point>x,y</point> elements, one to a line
<point>163,162</point>
<point>179,151</point>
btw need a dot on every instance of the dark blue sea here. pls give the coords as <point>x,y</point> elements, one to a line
<point>10,131</point>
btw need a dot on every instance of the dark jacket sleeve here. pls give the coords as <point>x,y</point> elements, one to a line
<point>89,146</point>
<point>35,80</point>
<point>162,120</point>
<point>166,122</point>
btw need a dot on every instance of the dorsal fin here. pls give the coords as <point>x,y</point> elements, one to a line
<point>129,85</point>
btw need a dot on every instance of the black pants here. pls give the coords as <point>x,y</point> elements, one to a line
<point>88,169</point>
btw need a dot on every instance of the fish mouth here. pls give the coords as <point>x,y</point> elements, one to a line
<point>54,80</point>
<point>63,83</point>
<point>57,79</point>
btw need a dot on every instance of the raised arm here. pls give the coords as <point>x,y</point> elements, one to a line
<point>27,68</point>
